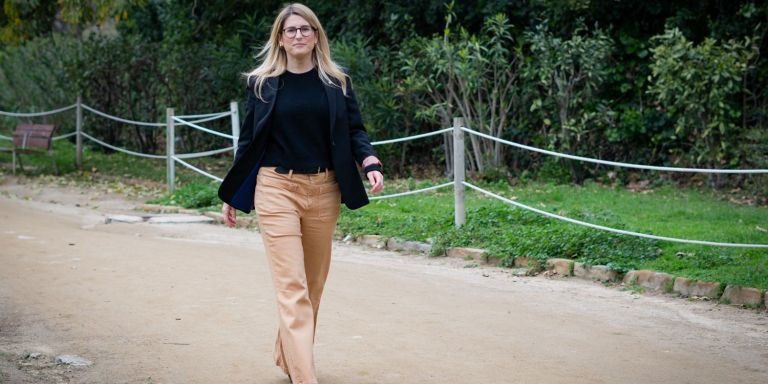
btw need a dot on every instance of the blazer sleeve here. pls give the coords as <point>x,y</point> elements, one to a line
<point>246,127</point>
<point>361,144</point>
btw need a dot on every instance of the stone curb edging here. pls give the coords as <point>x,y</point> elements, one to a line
<point>737,295</point>
<point>687,288</point>
<point>595,272</point>
<point>242,221</point>
<point>651,280</point>
<point>157,208</point>
<point>393,244</point>
<point>644,279</point>
<point>157,219</point>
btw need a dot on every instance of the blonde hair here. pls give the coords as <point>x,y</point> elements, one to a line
<point>275,59</point>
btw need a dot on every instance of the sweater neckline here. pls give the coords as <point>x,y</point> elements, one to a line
<point>313,70</point>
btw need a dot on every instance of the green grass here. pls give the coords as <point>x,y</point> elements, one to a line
<point>507,232</point>
<point>194,195</point>
<point>683,213</point>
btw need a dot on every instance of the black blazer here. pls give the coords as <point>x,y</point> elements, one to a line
<point>349,144</point>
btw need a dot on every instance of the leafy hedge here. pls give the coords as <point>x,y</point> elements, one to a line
<point>677,84</point>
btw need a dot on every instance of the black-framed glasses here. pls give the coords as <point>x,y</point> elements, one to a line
<point>305,30</point>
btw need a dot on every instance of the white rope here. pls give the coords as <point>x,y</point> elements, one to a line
<point>196,169</point>
<point>224,135</point>
<point>203,154</point>
<point>614,163</point>
<point>619,231</point>
<point>63,136</point>
<point>89,137</point>
<point>121,119</point>
<point>412,137</point>
<point>3,137</point>
<point>33,114</point>
<point>203,115</point>
<point>410,192</point>
<point>214,117</point>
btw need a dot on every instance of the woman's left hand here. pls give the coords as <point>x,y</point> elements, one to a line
<point>374,177</point>
<point>377,181</point>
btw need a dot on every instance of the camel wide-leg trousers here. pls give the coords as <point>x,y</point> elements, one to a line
<point>297,218</point>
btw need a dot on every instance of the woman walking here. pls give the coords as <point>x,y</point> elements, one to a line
<point>297,160</point>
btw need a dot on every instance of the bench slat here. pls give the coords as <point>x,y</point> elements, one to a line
<point>33,136</point>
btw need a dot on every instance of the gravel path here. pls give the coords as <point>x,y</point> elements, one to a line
<point>192,303</point>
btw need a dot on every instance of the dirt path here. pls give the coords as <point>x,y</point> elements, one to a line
<point>192,303</point>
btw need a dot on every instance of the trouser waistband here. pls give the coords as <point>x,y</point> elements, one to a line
<point>301,171</point>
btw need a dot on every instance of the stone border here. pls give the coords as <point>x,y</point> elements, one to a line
<point>158,219</point>
<point>642,280</point>
<point>636,279</point>
<point>218,218</point>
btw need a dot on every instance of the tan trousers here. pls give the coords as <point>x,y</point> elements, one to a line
<point>297,218</point>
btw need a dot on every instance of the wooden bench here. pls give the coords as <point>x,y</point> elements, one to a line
<point>31,139</point>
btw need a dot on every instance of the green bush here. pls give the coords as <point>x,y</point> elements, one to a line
<point>698,86</point>
<point>687,87</point>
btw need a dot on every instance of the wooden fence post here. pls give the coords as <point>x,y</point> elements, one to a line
<point>458,172</point>
<point>170,148</point>
<point>79,134</point>
<point>235,124</point>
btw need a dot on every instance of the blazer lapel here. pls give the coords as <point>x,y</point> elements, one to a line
<point>268,93</point>
<point>330,92</point>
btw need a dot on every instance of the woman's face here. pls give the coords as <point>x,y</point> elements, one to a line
<point>298,37</point>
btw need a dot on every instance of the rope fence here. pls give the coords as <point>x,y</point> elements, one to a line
<point>411,192</point>
<point>209,118</point>
<point>35,114</point>
<point>171,157</point>
<point>123,150</point>
<point>120,119</point>
<point>420,136</point>
<point>459,179</point>
<point>204,154</point>
<point>458,182</point>
<point>204,115</point>
<point>65,136</point>
<point>609,229</point>
<point>204,129</point>
<point>613,163</point>
<point>196,169</point>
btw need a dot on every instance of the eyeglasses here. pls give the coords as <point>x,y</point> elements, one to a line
<point>306,31</point>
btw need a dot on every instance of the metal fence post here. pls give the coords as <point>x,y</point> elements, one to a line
<point>235,124</point>
<point>79,134</point>
<point>458,172</point>
<point>169,147</point>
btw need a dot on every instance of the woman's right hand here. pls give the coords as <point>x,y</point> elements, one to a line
<point>230,215</point>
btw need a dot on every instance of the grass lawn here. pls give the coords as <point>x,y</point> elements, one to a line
<point>506,231</point>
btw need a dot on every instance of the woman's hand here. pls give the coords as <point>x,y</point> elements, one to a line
<point>370,160</point>
<point>230,215</point>
<point>374,177</point>
<point>377,181</point>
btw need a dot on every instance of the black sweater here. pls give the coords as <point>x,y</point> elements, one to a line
<point>349,145</point>
<point>301,129</point>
